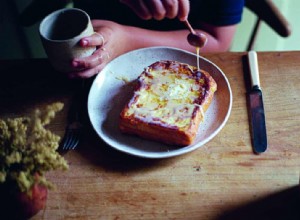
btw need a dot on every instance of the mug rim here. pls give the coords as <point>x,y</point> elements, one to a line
<point>54,13</point>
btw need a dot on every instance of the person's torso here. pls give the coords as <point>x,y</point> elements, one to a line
<point>216,12</point>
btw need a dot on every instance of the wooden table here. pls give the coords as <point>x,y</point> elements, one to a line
<point>222,180</point>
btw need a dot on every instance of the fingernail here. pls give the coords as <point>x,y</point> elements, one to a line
<point>84,42</point>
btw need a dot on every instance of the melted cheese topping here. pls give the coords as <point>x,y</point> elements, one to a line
<point>166,97</point>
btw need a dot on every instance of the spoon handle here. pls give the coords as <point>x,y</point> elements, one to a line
<point>187,23</point>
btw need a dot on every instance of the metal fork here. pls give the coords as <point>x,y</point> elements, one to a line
<point>72,136</point>
<point>74,129</point>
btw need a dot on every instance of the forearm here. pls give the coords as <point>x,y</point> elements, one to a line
<point>139,38</point>
<point>113,40</point>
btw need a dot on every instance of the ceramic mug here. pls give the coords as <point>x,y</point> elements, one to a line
<point>60,33</point>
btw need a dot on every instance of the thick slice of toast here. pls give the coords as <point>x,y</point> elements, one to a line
<point>169,103</point>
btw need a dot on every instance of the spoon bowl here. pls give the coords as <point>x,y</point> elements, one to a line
<point>197,39</point>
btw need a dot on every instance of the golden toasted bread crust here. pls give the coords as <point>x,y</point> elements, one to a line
<point>168,103</point>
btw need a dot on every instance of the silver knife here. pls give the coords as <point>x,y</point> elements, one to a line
<point>257,113</point>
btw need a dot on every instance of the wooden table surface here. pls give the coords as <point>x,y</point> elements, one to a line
<point>222,180</point>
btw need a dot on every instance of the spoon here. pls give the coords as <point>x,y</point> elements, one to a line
<point>194,38</point>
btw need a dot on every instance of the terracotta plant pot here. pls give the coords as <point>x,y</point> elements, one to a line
<point>18,205</point>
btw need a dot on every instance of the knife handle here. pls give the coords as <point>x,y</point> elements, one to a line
<point>253,67</point>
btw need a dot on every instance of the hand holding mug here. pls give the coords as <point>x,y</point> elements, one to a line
<point>61,32</point>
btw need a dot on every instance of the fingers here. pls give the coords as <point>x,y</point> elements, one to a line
<point>159,9</point>
<point>90,65</point>
<point>86,73</point>
<point>171,7</point>
<point>98,57</point>
<point>101,37</point>
<point>183,9</point>
<point>97,39</point>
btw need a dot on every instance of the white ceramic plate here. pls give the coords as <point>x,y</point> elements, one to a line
<point>111,90</point>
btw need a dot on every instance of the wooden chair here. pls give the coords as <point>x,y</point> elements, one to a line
<point>267,11</point>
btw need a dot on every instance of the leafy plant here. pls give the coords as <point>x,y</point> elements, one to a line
<point>28,150</point>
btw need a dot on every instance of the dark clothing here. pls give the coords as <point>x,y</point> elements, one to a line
<point>215,12</point>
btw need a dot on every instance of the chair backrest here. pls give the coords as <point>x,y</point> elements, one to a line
<point>267,11</point>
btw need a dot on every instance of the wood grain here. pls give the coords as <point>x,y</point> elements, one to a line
<point>222,180</point>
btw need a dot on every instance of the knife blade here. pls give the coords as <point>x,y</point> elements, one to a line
<point>257,113</point>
